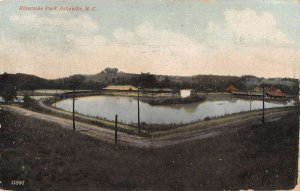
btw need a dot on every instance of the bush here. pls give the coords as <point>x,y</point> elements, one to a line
<point>28,101</point>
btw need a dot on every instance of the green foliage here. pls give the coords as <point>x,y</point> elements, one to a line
<point>7,88</point>
<point>111,70</point>
<point>145,80</point>
<point>75,81</point>
<point>28,101</point>
<point>166,83</point>
<point>109,76</point>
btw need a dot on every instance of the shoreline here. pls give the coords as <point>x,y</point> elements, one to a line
<point>147,129</point>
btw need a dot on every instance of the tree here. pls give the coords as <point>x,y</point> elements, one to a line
<point>27,101</point>
<point>76,81</point>
<point>147,80</point>
<point>7,88</point>
<point>111,70</point>
<point>166,83</point>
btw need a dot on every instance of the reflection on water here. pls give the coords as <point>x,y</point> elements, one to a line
<point>126,108</point>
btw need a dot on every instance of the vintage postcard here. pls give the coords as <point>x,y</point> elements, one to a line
<point>149,94</point>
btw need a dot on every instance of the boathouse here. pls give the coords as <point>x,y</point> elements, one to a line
<point>121,88</point>
<point>275,93</point>
<point>231,89</point>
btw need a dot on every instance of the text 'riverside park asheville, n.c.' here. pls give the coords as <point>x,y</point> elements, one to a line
<point>58,8</point>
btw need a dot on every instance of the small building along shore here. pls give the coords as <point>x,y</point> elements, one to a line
<point>273,93</point>
<point>232,89</point>
<point>121,88</point>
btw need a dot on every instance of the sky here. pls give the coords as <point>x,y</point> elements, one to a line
<point>172,37</point>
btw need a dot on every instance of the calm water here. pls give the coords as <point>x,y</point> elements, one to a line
<point>126,108</point>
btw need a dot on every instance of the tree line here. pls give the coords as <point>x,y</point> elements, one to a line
<point>11,83</point>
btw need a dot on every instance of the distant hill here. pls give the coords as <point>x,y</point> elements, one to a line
<point>25,81</point>
<point>112,76</point>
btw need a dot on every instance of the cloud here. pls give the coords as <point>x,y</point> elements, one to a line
<point>251,28</point>
<point>147,36</point>
<point>123,36</point>
<point>260,61</point>
<point>56,46</point>
<point>42,44</point>
<point>209,1</point>
<point>55,33</point>
<point>82,23</point>
<point>162,47</point>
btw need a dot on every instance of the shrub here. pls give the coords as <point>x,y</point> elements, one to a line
<point>28,101</point>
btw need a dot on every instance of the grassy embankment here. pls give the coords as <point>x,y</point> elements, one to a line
<point>204,124</point>
<point>48,157</point>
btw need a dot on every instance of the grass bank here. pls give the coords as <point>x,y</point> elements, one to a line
<point>48,157</point>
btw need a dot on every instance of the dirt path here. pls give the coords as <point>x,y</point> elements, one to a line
<point>144,142</point>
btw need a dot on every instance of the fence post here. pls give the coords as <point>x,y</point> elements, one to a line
<point>263,112</point>
<point>73,109</point>
<point>139,127</point>
<point>116,129</point>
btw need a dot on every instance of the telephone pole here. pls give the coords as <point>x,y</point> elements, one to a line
<point>116,129</point>
<point>55,97</point>
<point>74,109</point>
<point>139,128</point>
<point>263,111</point>
<point>298,92</point>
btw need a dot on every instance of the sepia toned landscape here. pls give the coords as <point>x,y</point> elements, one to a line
<point>162,95</point>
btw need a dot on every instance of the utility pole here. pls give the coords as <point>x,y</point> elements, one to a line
<point>298,92</point>
<point>215,85</point>
<point>116,129</point>
<point>32,93</point>
<point>263,112</point>
<point>250,103</point>
<point>73,108</point>
<point>139,128</point>
<point>247,90</point>
<point>55,97</point>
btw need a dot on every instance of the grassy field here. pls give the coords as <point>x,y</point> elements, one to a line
<point>48,157</point>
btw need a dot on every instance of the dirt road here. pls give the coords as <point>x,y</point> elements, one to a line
<point>171,138</point>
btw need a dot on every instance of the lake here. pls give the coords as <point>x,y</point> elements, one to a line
<point>126,108</point>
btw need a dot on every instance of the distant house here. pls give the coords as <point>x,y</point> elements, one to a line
<point>231,89</point>
<point>275,93</point>
<point>120,88</point>
<point>188,93</point>
<point>257,89</point>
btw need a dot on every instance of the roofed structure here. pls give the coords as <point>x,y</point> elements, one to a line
<point>231,89</point>
<point>120,88</point>
<point>275,93</point>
